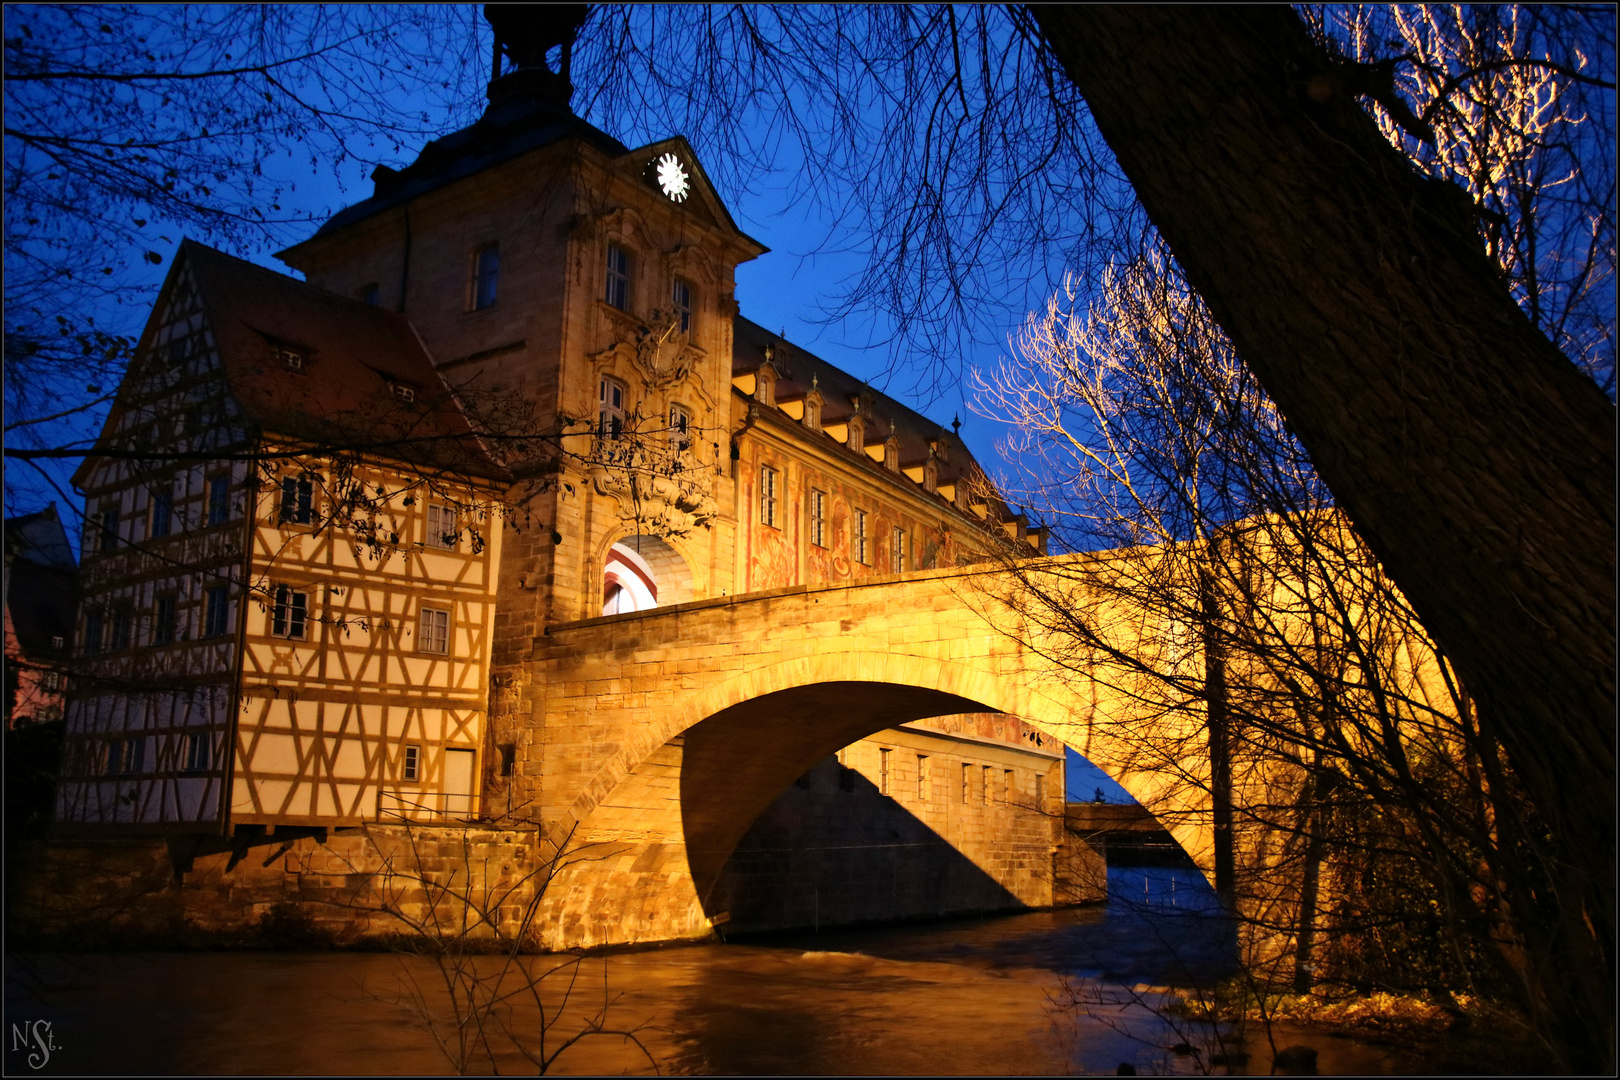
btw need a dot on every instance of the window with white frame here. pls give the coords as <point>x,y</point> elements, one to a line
<point>681,297</point>
<point>859,542</point>
<point>297,500</point>
<point>767,496</point>
<point>897,551</point>
<point>486,270</point>
<point>433,631</point>
<point>818,518</point>
<point>443,531</point>
<point>289,613</point>
<point>290,358</point>
<point>411,767</point>
<point>196,752</point>
<point>618,277</point>
<point>610,407</point>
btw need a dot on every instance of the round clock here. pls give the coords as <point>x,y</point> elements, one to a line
<point>672,178</point>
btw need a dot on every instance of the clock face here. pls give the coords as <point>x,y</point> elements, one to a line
<point>672,178</point>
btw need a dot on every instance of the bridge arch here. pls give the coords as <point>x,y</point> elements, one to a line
<point>759,695</point>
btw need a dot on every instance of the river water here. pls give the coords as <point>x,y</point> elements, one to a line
<point>1053,993</point>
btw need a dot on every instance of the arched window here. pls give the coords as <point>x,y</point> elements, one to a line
<point>628,582</point>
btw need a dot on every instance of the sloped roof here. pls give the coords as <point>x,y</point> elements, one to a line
<point>42,586</point>
<point>40,538</point>
<point>799,368</point>
<point>508,129</point>
<point>344,397</point>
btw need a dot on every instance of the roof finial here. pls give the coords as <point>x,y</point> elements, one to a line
<point>956,425</point>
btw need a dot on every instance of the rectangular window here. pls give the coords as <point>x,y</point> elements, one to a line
<point>1006,786</point>
<point>1040,792</point>
<point>680,428</point>
<point>897,552</point>
<point>618,277</point>
<point>92,633</point>
<point>486,271</point>
<point>508,759</point>
<point>858,542</point>
<point>609,408</point>
<point>922,777</point>
<point>195,752</point>
<point>433,631</point>
<point>291,359</point>
<point>682,298</point>
<point>163,619</point>
<point>219,499</point>
<point>122,618</point>
<point>107,539</point>
<point>162,514</point>
<point>818,518</point>
<point>967,781</point>
<point>289,613</point>
<point>297,500</point>
<point>125,756</point>
<point>215,609</point>
<point>767,496</point>
<point>985,794</point>
<point>883,771</point>
<point>442,530</point>
<point>411,767</point>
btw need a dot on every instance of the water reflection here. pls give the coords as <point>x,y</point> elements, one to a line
<point>963,997</point>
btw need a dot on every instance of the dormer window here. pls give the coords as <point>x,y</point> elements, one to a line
<point>618,278</point>
<point>682,299</point>
<point>403,391</point>
<point>486,268</point>
<point>290,358</point>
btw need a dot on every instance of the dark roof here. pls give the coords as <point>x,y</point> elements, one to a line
<point>799,369</point>
<point>40,539</point>
<point>509,128</point>
<point>356,354</point>
<point>42,586</point>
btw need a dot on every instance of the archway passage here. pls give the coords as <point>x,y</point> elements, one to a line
<point>641,573</point>
<point>737,762</point>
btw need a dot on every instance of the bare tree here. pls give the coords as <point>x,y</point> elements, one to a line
<point>1343,752</point>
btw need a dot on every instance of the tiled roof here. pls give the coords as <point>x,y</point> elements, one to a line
<point>356,355</point>
<point>799,369</point>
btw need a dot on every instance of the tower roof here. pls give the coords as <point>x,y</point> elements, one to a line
<point>518,120</point>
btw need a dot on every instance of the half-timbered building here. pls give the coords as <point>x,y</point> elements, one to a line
<point>329,519</point>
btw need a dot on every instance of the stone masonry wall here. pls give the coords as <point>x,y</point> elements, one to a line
<point>378,884</point>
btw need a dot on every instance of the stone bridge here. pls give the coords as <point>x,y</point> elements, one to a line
<point>656,738</point>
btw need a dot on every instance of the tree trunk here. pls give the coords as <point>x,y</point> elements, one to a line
<point>1473,457</point>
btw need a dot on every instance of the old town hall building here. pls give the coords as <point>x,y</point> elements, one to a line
<point>327,519</point>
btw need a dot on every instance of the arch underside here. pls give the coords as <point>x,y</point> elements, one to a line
<point>654,846</point>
